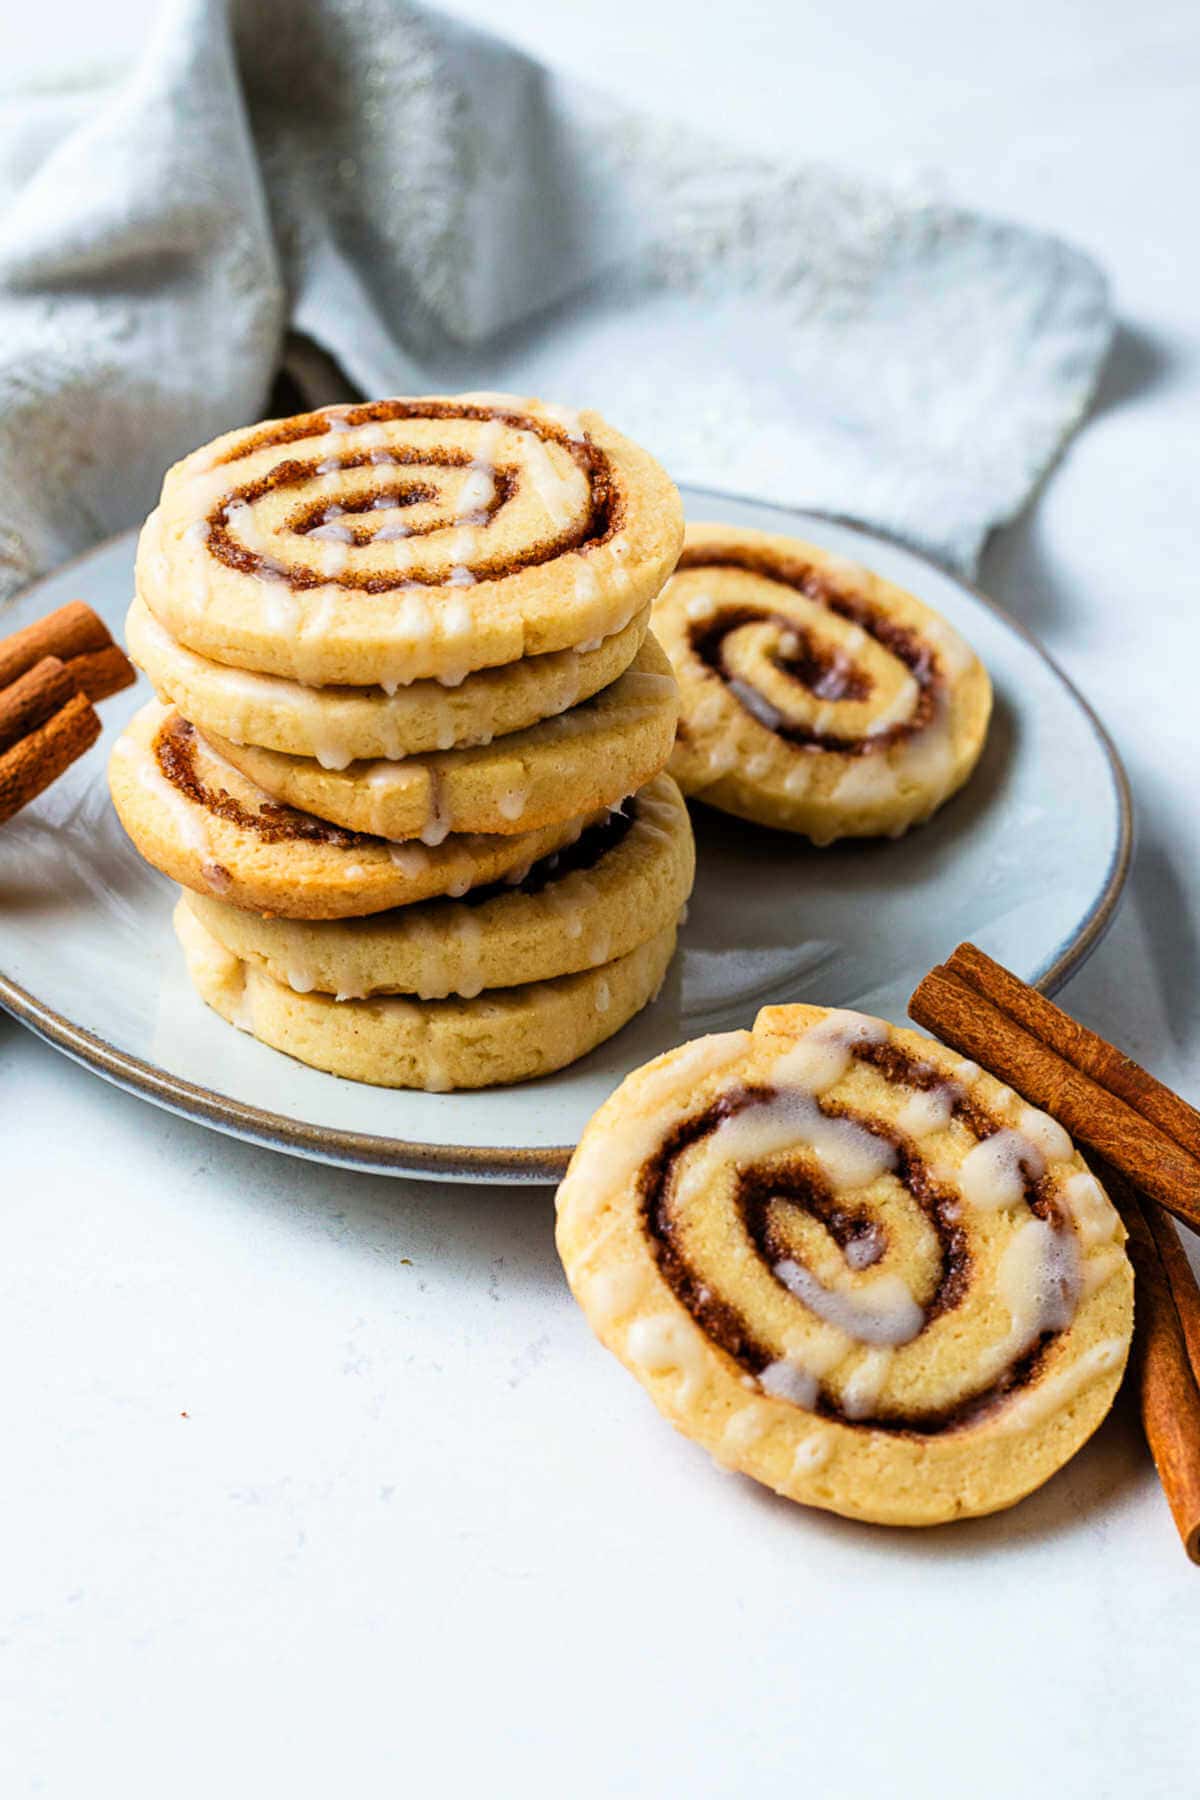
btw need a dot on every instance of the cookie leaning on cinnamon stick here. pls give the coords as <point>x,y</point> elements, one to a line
<point>1146,1140</point>
<point>1107,1102</point>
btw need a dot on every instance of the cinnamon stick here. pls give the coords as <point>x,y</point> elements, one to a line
<point>79,638</point>
<point>30,765</point>
<point>33,698</point>
<point>99,673</point>
<point>1185,1289</point>
<point>1087,1050</point>
<point>1155,1163</point>
<point>1168,1393</point>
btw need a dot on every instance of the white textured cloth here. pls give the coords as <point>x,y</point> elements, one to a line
<point>436,211</point>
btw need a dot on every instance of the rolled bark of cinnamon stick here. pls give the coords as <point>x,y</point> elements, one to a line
<point>32,699</point>
<point>76,635</point>
<point>1152,1161</point>
<point>1184,1287</point>
<point>1087,1050</point>
<point>99,673</point>
<point>39,758</point>
<point>1150,1141</point>
<point>1168,1394</point>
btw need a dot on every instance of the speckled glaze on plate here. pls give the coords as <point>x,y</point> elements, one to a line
<point>1029,861</point>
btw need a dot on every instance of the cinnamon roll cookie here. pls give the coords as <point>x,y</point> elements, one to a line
<point>406,540</point>
<point>511,1034</point>
<point>624,880</point>
<point>815,696</point>
<point>589,757</point>
<point>851,1265</point>
<point>198,819</point>
<point>340,725</point>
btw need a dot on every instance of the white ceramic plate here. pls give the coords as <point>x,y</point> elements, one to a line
<point>1028,862</point>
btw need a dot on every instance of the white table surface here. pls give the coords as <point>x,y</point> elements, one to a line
<point>316,1483</point>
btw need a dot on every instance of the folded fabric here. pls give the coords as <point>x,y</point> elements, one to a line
<point>437,211</point>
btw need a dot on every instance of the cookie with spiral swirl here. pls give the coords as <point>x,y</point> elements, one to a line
<point>623,880</point>
<point>512,1034</point>
<point>851,1265</point>
<point>407,540</point>
<point>587,758</point>
<point>340,725</point>
<point>198,819</point>
<point>815,696</point>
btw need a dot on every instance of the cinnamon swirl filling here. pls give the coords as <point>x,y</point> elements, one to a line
<point>793,1168</point>
<point>820,669</point>
<point>175,754</point>
<point>349,497</point>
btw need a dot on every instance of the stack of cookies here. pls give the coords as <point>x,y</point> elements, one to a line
<point>407,758</point>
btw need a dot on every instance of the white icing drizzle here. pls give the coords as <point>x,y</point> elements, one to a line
<point>513,801</point>
<point>927,1110</point>
<point>1040,1129</point>
<point>612,1294</point>
<point>786,1379</point>
<point>438,822</point>
<point>189,820</point>
<point>586,585</point>
<point>599,948</point>
<point>665,1344</point>
<point>1093,1213</point>
<point>413,629</point>
<point>1033,1405</point>
<point>849,1155</point>
<point>458,625</point>
<point>654,1094</point>
<point>312,636</point>
<point>555,491</point>
<point>881,1311</point>
<point>437,1080</point>
<point>900,707</point>
<point>863,1387</point>
<point>469,934</point>
<point>569,899</point>
<point>954,653</point>
<point>566,416</point>
<point>411,859</point>
<point>994,1172</point>
<point>745,1427</point>
<point>603,997</point>
<point>812,1453</point>
<point>824,1053</point>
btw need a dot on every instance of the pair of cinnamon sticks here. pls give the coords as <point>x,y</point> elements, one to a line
<point>1145,1141</point>
<point>50,674</point>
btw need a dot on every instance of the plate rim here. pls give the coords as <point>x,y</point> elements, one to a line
<point>373,1153</point>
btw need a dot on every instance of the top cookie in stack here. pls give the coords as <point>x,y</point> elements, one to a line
<point>403,649</point>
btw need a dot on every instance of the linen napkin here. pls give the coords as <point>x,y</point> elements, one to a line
<point>434,210</point>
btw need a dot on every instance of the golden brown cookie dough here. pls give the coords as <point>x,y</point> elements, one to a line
<point>341,725</point>
<point>851,1265</point>
<point>510,1035</point>
<point>625,879</point>
<point>560,768</point>
<point>815,696</point>
<point>408,539</point>
<point>199,820</point>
